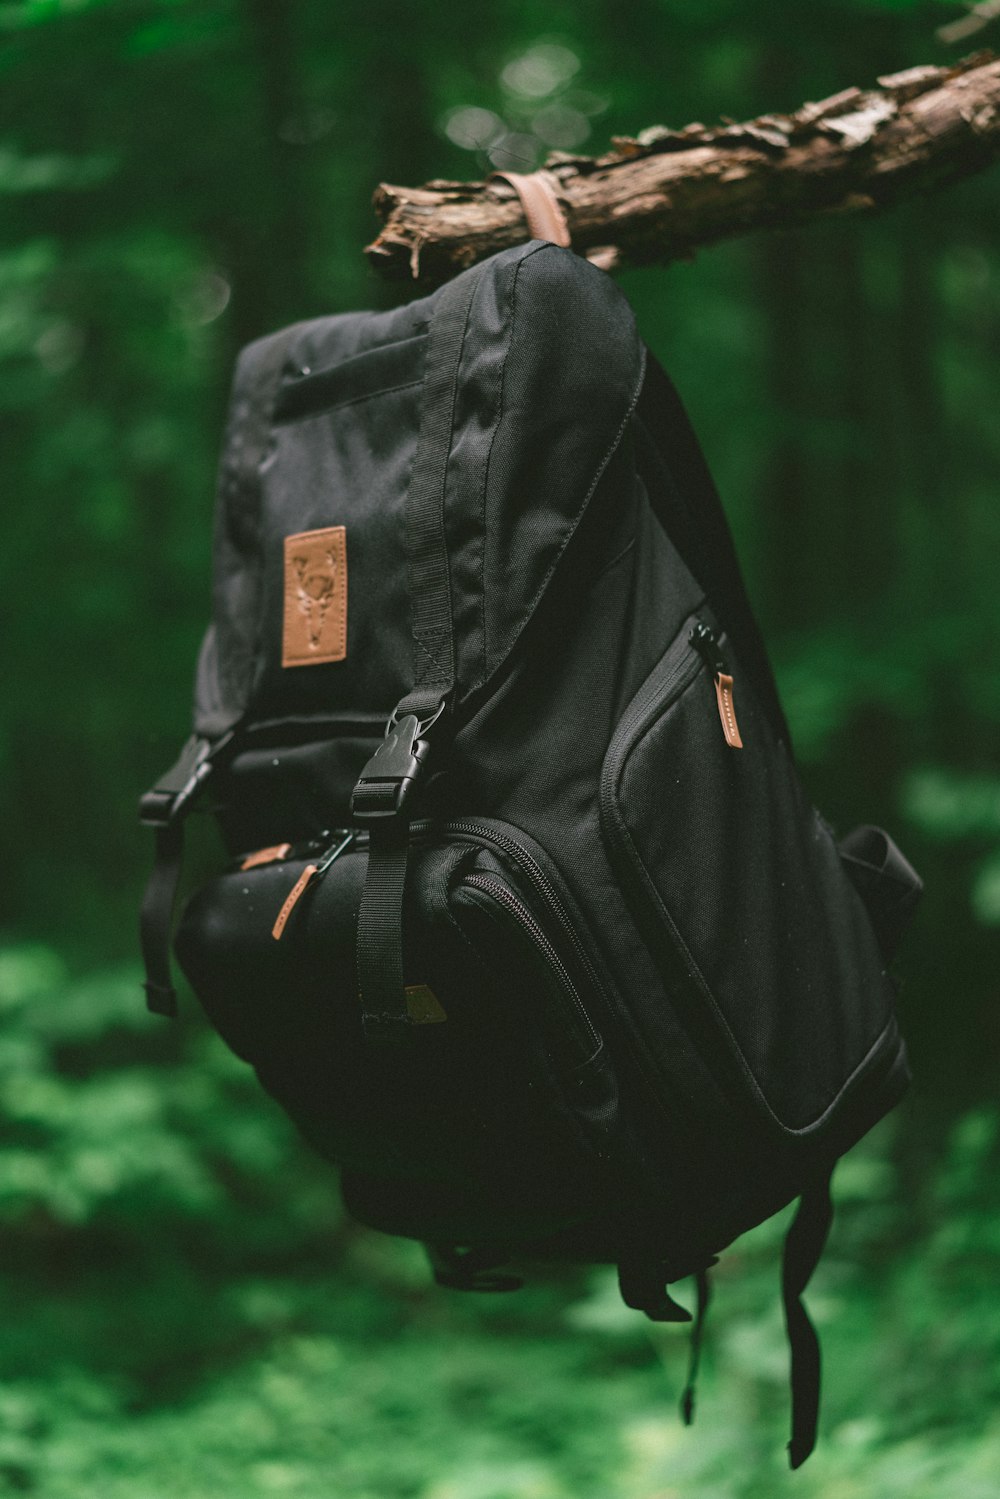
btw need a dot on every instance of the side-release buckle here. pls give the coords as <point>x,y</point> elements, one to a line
<point>386,784</point>
<point>176,788</point>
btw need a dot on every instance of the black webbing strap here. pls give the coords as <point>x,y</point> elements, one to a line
<point>381,800</point>
<point>642,1281</point>
<point>426,545</point>
<point>704,1291</point>
<point>803,1248</point>
<point>163,808</point>
<point>156,919</point>
<point>380,925</point>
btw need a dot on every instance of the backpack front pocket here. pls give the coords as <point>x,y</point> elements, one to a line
<point>736,885</point>
<point>502,1052</point>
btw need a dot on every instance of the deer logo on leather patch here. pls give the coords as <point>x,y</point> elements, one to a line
<point>315,597</point>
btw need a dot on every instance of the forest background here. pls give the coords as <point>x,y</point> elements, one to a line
<point>184,1310</point>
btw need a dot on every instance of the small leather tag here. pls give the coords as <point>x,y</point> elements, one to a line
<point>315,597</point>
<point>266,855</point>
<point>423,1005</point>
<point>727,710</point>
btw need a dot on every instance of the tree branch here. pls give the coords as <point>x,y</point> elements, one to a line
<point>667,193</point>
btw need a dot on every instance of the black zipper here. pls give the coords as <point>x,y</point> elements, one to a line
<point>573,1006</point>
<point>706,643</point>
<point>700,648</point>
<point>530,863</point>
<point>335,841</point>
<point>682,976</point>
<point>539,877</point>
<point>661,690</point>
<point>652,700</point>
<point>311,876</point>
<point>329,844</point>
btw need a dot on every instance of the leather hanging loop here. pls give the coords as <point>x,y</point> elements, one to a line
<point>542,209</point>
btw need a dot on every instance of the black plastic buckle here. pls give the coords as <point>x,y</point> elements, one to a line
<point>173,792</point>
<point>386,784</point>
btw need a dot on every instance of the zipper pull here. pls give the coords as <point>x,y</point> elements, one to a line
<point>270,855</point>
<point>310,876</point>
<point>706,643</point>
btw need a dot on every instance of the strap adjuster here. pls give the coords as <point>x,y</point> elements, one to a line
<point>386,784</point>
<point>177,787</point>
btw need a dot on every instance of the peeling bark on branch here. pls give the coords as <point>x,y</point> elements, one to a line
<point>667,193</point>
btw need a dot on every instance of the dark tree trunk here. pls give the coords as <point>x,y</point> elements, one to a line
<point>270,250</point>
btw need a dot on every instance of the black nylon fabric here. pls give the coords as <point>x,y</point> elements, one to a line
<point>227,660</point>
<point>458,1112</point>
<point>648,995</point>
<point>535,422</point>
<point>545,390</point>
<point>332,446</point>
<point>581,530</point>
<point>796,994</point>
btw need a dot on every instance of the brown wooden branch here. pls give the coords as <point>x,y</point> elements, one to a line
<point>978,18</point>
<point>667,193</point>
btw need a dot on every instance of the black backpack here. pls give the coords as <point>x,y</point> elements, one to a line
<point>530,925</point>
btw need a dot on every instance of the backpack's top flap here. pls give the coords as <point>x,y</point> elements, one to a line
<point>322,427</point>
<point>311,607</point>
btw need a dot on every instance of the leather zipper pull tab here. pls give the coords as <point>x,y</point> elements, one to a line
<point>309,876</point>
<point>271,855</point>
<point>292,899</point>
<point>727,709</point>
<point>706,643</point>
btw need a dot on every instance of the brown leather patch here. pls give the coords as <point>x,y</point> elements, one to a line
<point>315,597</point>
<point>266,855</point>
<point>727,710</point>
<point>423,1005</point>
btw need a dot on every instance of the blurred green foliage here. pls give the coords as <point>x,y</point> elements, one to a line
<point>185,1309</point>
<point>186,1312</point>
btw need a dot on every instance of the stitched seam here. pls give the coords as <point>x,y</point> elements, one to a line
<point>436,669</point>
<point>628,547</point>
<point>484,529</point>
<point>733,1046</point>
<point>449,671</point>
<point>586,501</point>
<point>324,410</point>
